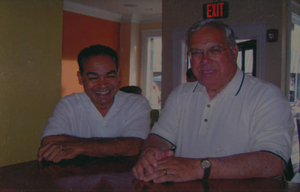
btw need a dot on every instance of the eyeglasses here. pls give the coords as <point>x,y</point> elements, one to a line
<point>196,54</point>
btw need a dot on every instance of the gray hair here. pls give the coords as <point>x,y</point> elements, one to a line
<point>230,36</point>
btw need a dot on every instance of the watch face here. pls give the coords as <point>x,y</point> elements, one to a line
<point>205,164</point>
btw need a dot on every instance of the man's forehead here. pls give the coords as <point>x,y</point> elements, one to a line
<point>206,46</point>
<point>97,73</point>
<point>100,60</point>
<point>208,36</point>
<point>99,68</point>
<point>209,46</point>
<point>209,31</point>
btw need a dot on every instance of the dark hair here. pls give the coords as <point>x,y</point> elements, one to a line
<point>131,89</point>
<point>189,73</point>
<point>94,50</point>
<point>230,36</point>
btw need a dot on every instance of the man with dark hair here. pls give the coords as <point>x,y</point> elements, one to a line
<point>101,121</point>
<point>229,125</point>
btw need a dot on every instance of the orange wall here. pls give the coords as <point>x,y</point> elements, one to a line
<point>80,31</point>
<point>125,43</point>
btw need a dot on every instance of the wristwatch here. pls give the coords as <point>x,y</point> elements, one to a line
<point>206,165</point>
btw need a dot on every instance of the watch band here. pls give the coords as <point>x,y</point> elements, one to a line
<point>206,165</point>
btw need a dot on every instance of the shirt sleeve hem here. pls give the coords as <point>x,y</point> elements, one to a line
<point>275,154</point>
<point>174,146</point>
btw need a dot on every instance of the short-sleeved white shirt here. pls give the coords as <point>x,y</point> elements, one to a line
<point>76,115</point>
<point>247,115</point>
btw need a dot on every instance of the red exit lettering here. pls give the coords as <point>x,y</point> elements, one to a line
<point>214,10</point>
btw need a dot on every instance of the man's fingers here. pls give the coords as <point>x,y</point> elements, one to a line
<point>135,172</point>
<point>51,152</point>
<point>144,164</point>
<point>158,176</point>
<point>148,162</point>
<point>40,155</point>
<point>43,149</point>
<point>168,153</point>
<point>138,171</point>
<point>57,151</point>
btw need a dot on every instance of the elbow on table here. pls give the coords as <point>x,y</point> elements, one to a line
<point>276,170</point>
<point>135,147</point>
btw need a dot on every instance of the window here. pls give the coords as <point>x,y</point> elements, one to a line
<point>295,65</point>
<point>151,67</point>
<point>246,59</point>
<point>294,91</point>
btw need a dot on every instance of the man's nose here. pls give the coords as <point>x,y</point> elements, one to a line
<point>205,58</point>
<point>102,82</point>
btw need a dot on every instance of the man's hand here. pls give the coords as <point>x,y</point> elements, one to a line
<point>56,151</point>
<point>176,169</point>
<point>148,160</point>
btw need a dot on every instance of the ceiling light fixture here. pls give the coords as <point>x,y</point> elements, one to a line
<point>130,5</point>
<point>148,9</point>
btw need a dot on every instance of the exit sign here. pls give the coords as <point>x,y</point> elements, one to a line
<point>215,10</point>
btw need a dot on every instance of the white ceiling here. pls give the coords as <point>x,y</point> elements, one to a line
<point>140,11</point>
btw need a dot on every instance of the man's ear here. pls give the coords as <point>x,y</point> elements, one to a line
<point>118,74</point>
<point>79,78</point>
<point>235,51</point>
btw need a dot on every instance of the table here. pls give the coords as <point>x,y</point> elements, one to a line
<point>113,174</point>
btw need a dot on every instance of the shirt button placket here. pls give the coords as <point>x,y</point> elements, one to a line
<point>208,106</point>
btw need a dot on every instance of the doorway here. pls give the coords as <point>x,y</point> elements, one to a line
<point>152,67</point>
<point>294,87</point>
<point>246,59</point>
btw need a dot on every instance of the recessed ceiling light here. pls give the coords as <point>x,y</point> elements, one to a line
<point>148,9</point>
<point>130,5</point>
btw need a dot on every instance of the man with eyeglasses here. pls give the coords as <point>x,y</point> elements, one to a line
<point>228,125</point>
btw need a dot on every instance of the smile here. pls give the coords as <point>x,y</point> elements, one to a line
<point>102,92</point>
<point>207,71</point>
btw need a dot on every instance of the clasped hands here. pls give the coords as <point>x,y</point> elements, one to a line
<point>161,166</point>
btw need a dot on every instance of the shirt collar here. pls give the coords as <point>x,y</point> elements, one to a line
<point>119,100</point>
<point>235,85</point>
<point>117,104</point>
<point>86,100</point>
<point>233,88</point>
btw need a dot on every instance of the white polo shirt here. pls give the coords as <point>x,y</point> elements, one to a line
<point>76,115</point>
<point>247,115</point>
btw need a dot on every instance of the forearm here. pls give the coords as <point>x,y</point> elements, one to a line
<point>61,138</point>
<point>249,165</point>
<point>101,147</point>
<point>56,148</point>
<point>158,142</point>
<point>242,166</point>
